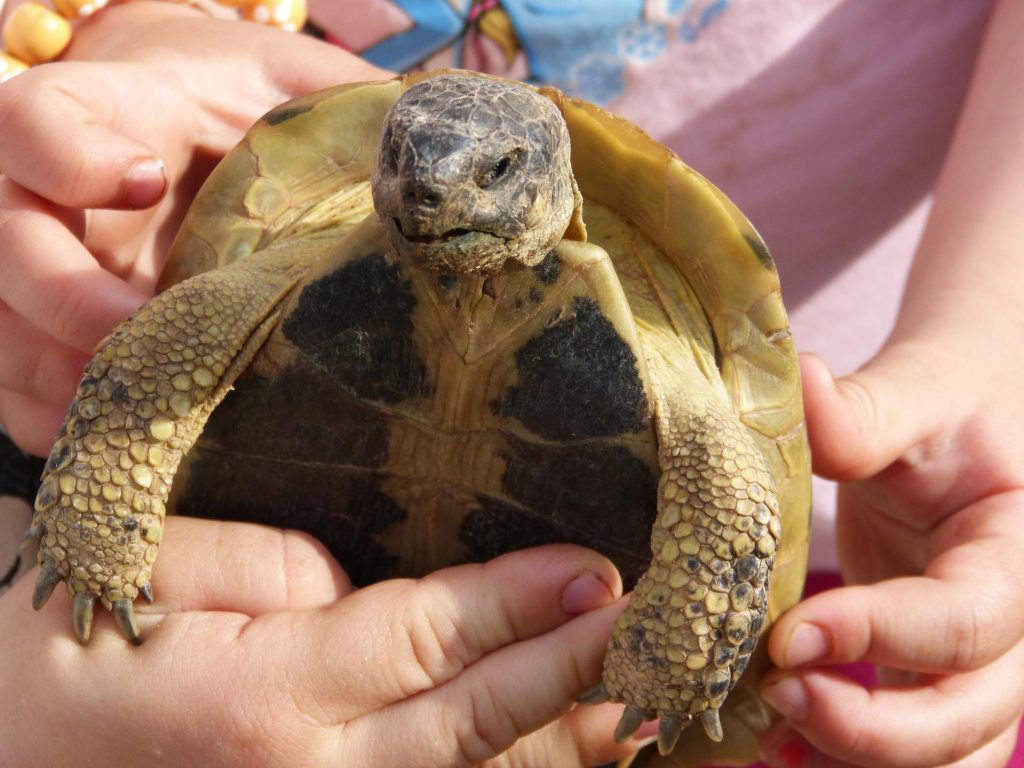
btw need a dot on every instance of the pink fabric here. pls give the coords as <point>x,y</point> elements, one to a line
<point>1017,758</point>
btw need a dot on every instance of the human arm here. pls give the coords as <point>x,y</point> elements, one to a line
<point>925,440</point>
<point>82,236</point>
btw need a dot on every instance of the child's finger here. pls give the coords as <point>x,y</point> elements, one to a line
<point>962,614</point>
<point>944,721</point>
<point>35,365</point>
<point>861,423</point>
<point>61,138</point>
<point>503,696</point>
<point>584,736</point>
<point>213,566</point>
<point>301,64</point>
<point>416,635</point>
<point>210,565</point>
<point>49,278</point>
<point>30,423</point>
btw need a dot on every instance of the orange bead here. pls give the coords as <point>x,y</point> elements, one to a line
<point>36,34</point>
<point>78,9</point>
<point>10,66</point>
<point>285,14</point>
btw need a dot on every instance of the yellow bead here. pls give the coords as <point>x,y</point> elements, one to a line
<point>285,14</point>
<point>36,34</point>
<point>10,66</point>
<point>78,9</point>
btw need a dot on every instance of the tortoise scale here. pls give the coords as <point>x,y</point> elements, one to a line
<point>463,316</point>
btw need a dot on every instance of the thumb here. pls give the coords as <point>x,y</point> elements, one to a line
<point>861,423</point>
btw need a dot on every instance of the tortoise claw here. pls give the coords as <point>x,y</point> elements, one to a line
<point>82,616</point>
<point>49,576</point>
<point>147,593</point>
<point>125,618</point>
<point>597,695</point>
<point>712,724</point>
<point>669,729</point>
<point>32,535</point>
<point>631,719</point>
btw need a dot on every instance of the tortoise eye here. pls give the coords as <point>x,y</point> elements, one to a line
<point>496,172</point>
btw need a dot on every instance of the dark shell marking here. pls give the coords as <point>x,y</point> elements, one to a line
<point>595,494</point>
<point>549,270</point>
<point>299,431</point>
<point>761,251</point>
<point>284,114</point>
<point>356,324</point>
<point>578,380</point>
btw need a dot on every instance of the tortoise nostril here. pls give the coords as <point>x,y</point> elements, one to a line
<point>422,196</point>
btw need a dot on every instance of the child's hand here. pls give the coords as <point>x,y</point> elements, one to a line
<point>100,155</point>
<point>258,653</point>
<point>927,442</point>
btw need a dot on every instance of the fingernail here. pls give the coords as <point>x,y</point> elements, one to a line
<point>585,593</point>
<point>145,182</point>
<point>789,697</point>
<point>807,644</point>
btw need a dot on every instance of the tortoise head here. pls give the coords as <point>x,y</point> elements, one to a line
<point>473,175</point>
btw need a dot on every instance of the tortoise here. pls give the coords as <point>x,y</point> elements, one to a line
<point>461,316</point>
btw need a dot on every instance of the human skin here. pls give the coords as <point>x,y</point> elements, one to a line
<point>926,443</point>
<point>923,438</point>
<point>154,94</point>
<point>260,653</point>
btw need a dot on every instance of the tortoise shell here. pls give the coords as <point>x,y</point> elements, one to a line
<point>353,398</point>
<point>413,418</point>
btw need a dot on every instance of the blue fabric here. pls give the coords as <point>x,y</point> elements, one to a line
<point>435,25</point>
<point>582,47</point>
<point>575,46</point>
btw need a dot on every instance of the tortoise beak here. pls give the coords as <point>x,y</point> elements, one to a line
<point>430,238</point>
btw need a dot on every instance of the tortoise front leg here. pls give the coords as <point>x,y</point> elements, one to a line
<point>696,614</point>
<point>144,398</point>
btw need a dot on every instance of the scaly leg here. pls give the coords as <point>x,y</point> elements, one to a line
<point>144,398</point>
<point>696,614</point>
